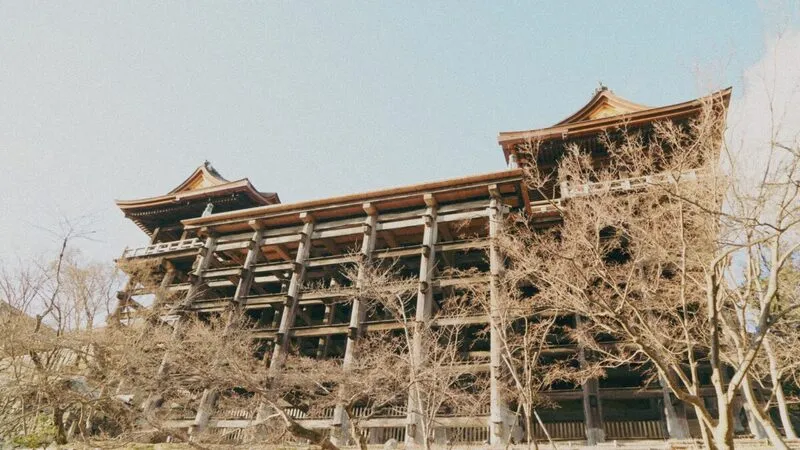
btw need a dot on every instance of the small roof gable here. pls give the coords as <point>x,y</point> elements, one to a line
<point>204,176</point>
<point>604,104</point>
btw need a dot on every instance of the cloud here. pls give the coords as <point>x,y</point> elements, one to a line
<point>766,116</point>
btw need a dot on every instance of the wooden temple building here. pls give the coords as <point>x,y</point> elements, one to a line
<point>252,249</point>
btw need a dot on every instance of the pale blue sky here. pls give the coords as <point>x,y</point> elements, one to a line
<point>104,100</point>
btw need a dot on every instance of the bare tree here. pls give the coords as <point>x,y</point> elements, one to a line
<point>653,259</point>
<point>49,363</point>
<point>427,355</point>
<point>528,333</point>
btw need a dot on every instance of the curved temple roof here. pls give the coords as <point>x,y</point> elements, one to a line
<point>607,110</point>
<point>204,184</point>
<point>604,104</point>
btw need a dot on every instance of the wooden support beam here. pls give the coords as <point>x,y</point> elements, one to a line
<point>444,232</point>
<point>499,423</point>
<point>592,405</point>
<point>357,315</point>
<point>154,236</point>
<point>243,284</point>
<point>283,252</point>
<point>204,255</point>
<point>324,341</point>
<point>291,302</point>
<point>370,209</point>
<point>423,315</point>
<point>330,246</point>
<point>445,235</point>
<point>246,279</point>
<point>388,236</point>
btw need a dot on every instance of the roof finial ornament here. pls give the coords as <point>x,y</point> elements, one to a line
<point>602,87</point>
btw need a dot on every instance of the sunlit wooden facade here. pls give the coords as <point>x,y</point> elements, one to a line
<point>262,254</point>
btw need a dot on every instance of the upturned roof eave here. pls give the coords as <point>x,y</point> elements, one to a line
<point>242,185</point>
<point>596,125</point>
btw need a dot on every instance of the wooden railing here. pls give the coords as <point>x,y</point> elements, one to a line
<point>162,247</point>
<point>379,435</point>
<point>225,435</point>
<point>561,431</point>
<point>234,414</point>
<point>391,411</point>
<point>626,184</point>
<point>296,413</point>
<point>470,435</point>
<point>634,429</point>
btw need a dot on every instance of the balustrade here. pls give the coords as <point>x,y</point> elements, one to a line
<point>162,247</point>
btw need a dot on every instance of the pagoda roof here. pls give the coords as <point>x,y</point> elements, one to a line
<point>606,110</point>
<point>204,184</point>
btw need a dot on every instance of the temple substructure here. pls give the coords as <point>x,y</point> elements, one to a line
<point>218,243</point>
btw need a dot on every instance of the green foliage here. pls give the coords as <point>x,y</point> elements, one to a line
<point>42,434</point>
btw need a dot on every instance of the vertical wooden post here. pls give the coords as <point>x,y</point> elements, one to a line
<point>204,255</point>
<point>592,407</point>
<point>209,397</point>
<point>290,304</point>
<point>498,426</point>
<point>163,287</point>
<point>427,264</point>
<point>253,254</point>
<point>324,341</point>
<point>287,317</point>
<point>674,414</point>
<point>357,315</point>
<point>154,236</point>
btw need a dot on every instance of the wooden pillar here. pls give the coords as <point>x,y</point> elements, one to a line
<point>357,315</point>
<point>674,414</point>
<point>427,265</point>
<point>358,310</point>
<point>204,258</point>
<point>204,255</point>
<point>324,341</point>
<point>163,287</point>
<point>253,254</point>
<point>289,313</point>
<point>209,398</point>
<point>499,420</point>
<point>592,408</point>
<point>290,304</point>
<point>154,236</point>
<point>755,427</point>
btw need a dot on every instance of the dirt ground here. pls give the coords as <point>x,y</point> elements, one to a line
<point>748,444</point>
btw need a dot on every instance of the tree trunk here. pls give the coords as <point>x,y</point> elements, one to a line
<point>529,435</point>
<point>783,410</point>
<point>780,397</point>
<point>705,432</point>
<point>314,436</point>
<point>723,432</point>
<point>774,436</point>
<point>58,422</point>
<point>355,433</point>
